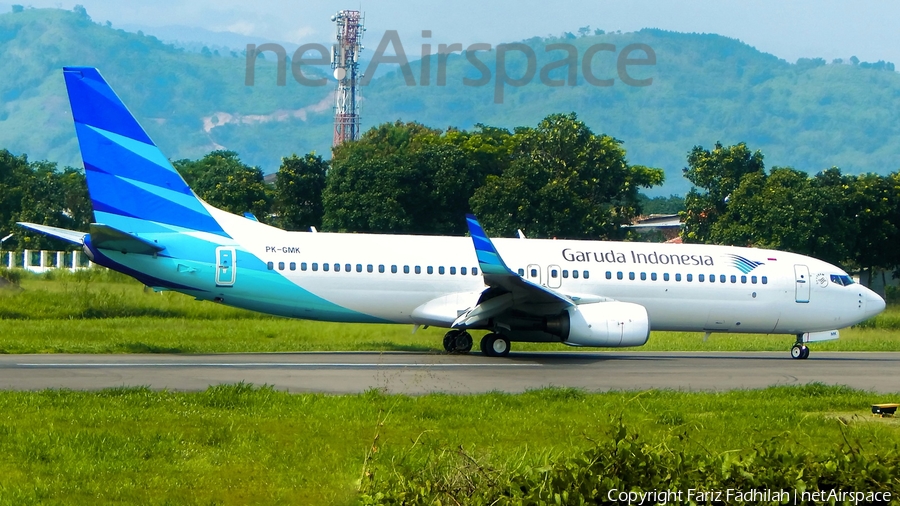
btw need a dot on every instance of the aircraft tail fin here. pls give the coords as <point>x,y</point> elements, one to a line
<point>129,179</point>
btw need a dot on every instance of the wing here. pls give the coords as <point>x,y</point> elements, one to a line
<point>508,290</point>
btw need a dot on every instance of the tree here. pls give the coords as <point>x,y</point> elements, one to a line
<point>715,175</point>
<point>298,192</point>
<point>222,180</point>
<point>14,170</point>
<point>874,204</point>
<point>408,178</point>
<point>563,181</point>
<point>39,193</point>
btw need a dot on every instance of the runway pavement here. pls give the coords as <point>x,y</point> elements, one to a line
<point>417,373</point>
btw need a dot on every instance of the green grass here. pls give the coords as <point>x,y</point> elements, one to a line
<point>104,312</point>
<point>240,445</point>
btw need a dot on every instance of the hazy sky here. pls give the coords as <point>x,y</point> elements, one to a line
<point>787,29</point>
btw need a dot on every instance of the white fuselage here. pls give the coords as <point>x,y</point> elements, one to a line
<point>390,276</point>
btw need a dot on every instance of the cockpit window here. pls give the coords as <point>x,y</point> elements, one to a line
<point>842,280</point>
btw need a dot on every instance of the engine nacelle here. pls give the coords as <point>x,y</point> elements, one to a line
<point>608,324</point>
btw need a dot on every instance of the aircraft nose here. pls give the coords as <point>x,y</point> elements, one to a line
<point>874,303</point>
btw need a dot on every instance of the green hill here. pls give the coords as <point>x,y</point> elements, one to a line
<point>706,88</point>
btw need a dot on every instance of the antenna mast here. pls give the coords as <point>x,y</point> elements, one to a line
<point>345,62</point>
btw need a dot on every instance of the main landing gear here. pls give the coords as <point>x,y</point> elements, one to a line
<point>492,345</point>
<point>495,345</point>
<point>799,351</point>
<point>457,341</point>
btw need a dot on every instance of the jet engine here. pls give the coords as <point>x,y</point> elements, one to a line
<point>603,324</point>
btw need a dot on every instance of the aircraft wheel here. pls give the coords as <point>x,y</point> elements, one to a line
<point>805,352</point>
<point>463,343</point>
<point>495,345</point>
<point>450,340</point>
<point>797,351</point>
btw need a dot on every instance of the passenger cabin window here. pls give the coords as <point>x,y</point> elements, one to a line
<point>462,271</point>
<point>522,272</point>
<point>347,267</point>
<point>474,271</point>
<point>653,276</point>
<point>430,270</point>
<point>303,266</point>
<point>325,267</point>
<point>293,266</point>
<point>701,278</point>
<point>678,277</point>
<point>337,267</point>
<point>631,276</point>
<point>453,271</point>
<point>270,265</point>
<point>733,278</point>
<point>370,268</point>
<point>554,273</point>
<point>315,267</point>
<point>280,266</point>
<point>441,270</point>
<point>619,275</point>
<point>381,269</point>
<point>565,273</point>
<point>608,274</point>
<point>765,280</point>
<point>753,279</point>
<point>643,276</point>
<point>690,277</point>
<point>358,267</point>
<point>587,274</point>
<point>534,273</point>
<point>721,278</point>
<point>418,270</point>
<point>393,269</point>
<point>666,276</point>
<point>405,269</point>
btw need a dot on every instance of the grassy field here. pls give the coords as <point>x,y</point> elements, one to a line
<point>240,445</point>
<point>104,312</point>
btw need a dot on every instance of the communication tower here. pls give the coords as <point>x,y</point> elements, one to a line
<point>345,63</point>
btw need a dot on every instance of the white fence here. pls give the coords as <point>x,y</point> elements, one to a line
<point>42,261</point>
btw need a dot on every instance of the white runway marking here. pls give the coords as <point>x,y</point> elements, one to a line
<point>270,365</point>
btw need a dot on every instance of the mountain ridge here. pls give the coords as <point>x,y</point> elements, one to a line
<point>706,88</point>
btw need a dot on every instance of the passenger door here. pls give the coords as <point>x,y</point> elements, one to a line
<point>801,275</point>
<point>225,266</point>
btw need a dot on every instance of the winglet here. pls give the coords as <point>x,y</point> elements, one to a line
<point>488,258</point>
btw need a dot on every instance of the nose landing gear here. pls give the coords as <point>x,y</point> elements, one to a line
<point>799,351</point>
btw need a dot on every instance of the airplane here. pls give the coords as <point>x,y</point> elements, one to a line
<point>150,225</point>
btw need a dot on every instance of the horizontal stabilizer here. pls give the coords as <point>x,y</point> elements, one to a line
<point>59,233</point>
<point>106,237</point>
